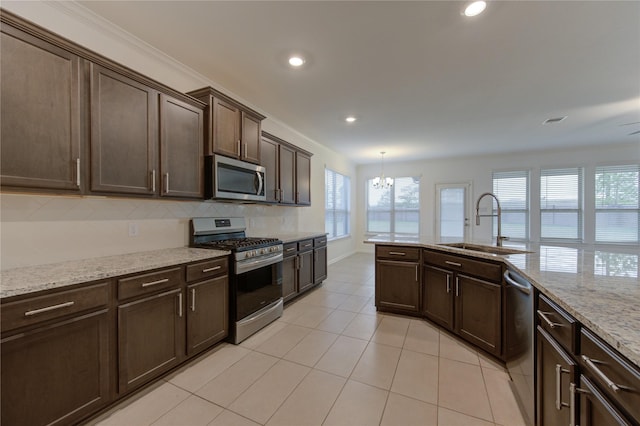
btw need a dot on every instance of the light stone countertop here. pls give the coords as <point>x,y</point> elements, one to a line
<point>598,285</point>
<point>296,236</point>
<point>29,279</point>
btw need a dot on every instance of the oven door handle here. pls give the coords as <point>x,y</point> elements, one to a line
<point>249,265</point>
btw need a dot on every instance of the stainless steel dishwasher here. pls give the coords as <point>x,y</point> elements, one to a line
<point>519,341</point>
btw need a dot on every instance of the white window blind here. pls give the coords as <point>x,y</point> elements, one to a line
<point>512,189</point>
<point>337,200</point>
<point>617,203</point>
<point>396,209</point>
<point>561,204</point>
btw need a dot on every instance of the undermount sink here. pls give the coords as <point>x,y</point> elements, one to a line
<point>485,249</point>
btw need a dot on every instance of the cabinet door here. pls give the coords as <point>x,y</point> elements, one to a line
<point>39,114</point>
<point>124,137</point>
<point>319,264</point>
<point>478,307</point>
<point>250,138</point>
<point>303,179</point>
<point>289,277</point>
<point>305,270</point>
<point>287,175</point>
<point>207,313</point>
<point>554,367</point>
<point>269,160</point>
<point>596,409</point>
<point>398,285</point>
<point>58,373</point>
<point>226,128</point>
<point>181,145</point>
<point>437,296</point>
<point>150,337</point>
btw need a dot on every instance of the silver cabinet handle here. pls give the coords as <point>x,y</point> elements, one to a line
<point>215,268</point>
<point>153,180</point>
<point>290,249</point>
<point>457,286</point>
<point>276,194</point>
<point>301,262</point>
<point>453,263</point>
<point>245,149</point>
<point>297,262</point>
<point>166,188</point>
<point>559,403</point>
<point>397,253</point>
<point>543,316</point>
<point>307,245</point>
<point>448,283</point>
<point>591,363</point>
<point>193,299</point>
<point>572,404</point>
<point>77,172</point>
<point>238,147</point>
<point>416,273</point>
<point>149,284</point>
<point>48,308</point>
<point>180,304</point>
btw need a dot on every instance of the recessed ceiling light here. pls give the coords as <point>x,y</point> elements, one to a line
<point>350,119</point>
<point>296,61</point>
<point>475,8</point>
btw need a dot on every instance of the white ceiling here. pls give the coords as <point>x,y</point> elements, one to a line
<point>424,81</point>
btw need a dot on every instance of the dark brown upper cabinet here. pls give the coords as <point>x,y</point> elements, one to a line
<point>232,129</point>
<point>40,114</point>
<point>124,138</point>
<point>303,179</point>
<point>181,146</point>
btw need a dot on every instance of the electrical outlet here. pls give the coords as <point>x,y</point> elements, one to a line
<point>133,229</point>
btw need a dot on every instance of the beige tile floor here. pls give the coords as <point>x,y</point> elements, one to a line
<point>332,360</point>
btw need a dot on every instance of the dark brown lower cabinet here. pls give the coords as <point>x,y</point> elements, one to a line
<point>596,409</point>
<point>556,370</point>
<point>319,259</point>
<point>207,313</point>
<point>305,271</point>
<point>478,308</point>
<point>56,374</point>
<point>398,285</point>
<point>437,297</point>
<point>289,277</point>
<point>151,337</point>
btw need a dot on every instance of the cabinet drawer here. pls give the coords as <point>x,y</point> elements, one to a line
<point>559,324</point>
<point>210,268</point>
<point>319,242</point>
<point>478,268</point>
<point>608,369</point>
<point>289,249</point>
<point>398,253</point>
<point>51,306</point>
<point>305,245</point>
<point>149,283</point>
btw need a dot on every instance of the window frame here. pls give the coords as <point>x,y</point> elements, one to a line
<point>392,209</point>
<point>526,173</point>
<point>596,209</point>
<point>335,212</point>
<point>580,210</point>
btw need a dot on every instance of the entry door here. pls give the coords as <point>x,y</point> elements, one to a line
<point>453,210</point>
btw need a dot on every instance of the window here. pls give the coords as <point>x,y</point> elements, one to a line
<point>336,213</point>
<point>396,209</point>
<point>561,204</point>
<point>616,200</point>
<point>512,189</point>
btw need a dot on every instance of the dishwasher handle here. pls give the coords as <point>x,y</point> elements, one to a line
<point>525,288</point>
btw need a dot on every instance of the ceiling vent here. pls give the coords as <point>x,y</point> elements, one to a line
<point>553,120</point>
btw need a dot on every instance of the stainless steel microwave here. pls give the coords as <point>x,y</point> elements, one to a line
<point>230,179</point>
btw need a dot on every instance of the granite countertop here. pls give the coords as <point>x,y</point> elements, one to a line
<point>29,279</point>
<point>598,285</point>
<point>296,236</point>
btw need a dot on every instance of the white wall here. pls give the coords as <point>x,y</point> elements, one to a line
<point>478,169</point>
<point>42,229</point>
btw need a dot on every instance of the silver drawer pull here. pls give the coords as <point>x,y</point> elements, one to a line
<point>543,316</point>
<point>398,253</point>
<point>307,245</point>
<point>149,284</point>
<point>453,263</point>
<point>48,308</point>
<point>591,363</point>
<point>215,268</point>
<point>290,249</point>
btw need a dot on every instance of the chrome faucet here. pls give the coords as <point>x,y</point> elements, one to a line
<point>499,237</point>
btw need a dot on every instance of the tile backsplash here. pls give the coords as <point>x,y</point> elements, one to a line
<point>38,229</point>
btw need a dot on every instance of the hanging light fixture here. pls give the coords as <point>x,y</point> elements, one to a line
<point>382,182</point>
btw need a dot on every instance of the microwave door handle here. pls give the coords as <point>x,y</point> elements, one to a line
<point>259,183</point>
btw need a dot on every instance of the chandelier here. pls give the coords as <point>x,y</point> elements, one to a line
<point>382,182</point>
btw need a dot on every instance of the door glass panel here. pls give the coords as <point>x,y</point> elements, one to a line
<point>452,214</point>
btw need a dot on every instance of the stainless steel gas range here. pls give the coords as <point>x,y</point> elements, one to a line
<point>255,280</point>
